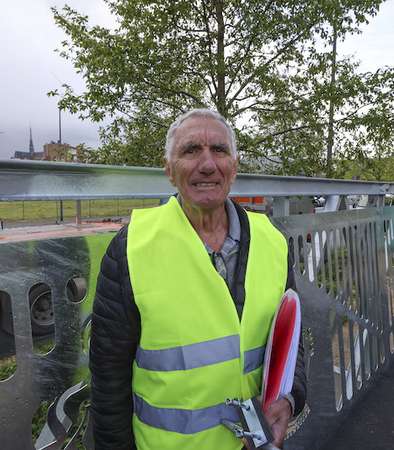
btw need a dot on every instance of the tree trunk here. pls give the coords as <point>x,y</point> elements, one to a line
<point>330,137</point>
<point>220,64</point>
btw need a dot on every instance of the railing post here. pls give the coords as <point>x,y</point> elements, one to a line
<point>281,206</point>
<point>78,212</point>
<point>376,201</point>
<point>380,201</point>
<point>332,203</point>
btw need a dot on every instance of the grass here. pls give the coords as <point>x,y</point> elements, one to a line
<point>37,210</point>
<point>8,367</point>
<point>39,419</point>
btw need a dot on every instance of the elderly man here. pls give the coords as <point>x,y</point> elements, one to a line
<point>184,303</point>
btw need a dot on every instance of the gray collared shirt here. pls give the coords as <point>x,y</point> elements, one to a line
<point>226,259</point>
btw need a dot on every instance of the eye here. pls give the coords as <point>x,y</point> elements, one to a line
<point>190,149</point>
<point>220,148</point>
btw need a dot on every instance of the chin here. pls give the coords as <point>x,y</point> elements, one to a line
<point>204,200</point>
<point>209,203</point>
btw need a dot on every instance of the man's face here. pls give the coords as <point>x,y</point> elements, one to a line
<point>201,165</point>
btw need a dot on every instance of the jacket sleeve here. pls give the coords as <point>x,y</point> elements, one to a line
<point>114,336</point>
<point>299,389</point>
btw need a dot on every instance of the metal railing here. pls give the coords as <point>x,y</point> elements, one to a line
<point>344,266</point>
<point>37,180</point>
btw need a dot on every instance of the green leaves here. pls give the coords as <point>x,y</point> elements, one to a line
<point>267,66</point>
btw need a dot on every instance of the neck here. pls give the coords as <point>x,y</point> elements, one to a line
<point>210,224</point>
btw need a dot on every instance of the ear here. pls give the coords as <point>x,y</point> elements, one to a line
<point>235,169</point>
<point>168,172</point>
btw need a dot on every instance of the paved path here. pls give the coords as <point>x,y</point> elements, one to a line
<point>35,232</point>
<point>371,426</point>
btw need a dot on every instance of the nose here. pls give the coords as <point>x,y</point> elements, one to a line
<point>207,163</point>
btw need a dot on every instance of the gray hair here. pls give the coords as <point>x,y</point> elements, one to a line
<point>202,112</point>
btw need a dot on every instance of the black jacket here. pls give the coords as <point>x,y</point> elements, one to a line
<point>115,334</point>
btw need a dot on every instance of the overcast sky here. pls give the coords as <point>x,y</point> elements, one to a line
<point>30,68</point>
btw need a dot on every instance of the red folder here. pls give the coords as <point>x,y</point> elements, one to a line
<point>281,349</point>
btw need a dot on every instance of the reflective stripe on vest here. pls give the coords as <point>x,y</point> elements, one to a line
<point>184,421</point>
<point>198,355</point>
<point>194,352</point>
<point>253,359</point>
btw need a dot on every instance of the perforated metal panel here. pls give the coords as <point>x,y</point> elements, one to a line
<point>61,374</point>
<point>344,265</point>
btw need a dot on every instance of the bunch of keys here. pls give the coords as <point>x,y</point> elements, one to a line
<point>253,427</point>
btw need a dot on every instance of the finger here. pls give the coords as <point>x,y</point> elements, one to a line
<point>245,442</point>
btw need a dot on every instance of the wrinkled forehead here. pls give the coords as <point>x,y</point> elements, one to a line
<point>202,130</point>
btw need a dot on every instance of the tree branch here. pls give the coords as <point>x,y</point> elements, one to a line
<point>279,133</point>
<point>210,43</point>
<point>257,154</point>
<point>221,70</point>
<point>353,113</point>
<point>272,59</point>
<point>175,92</point>
<point>252,37</point>
<point>204,80</point>
<point>162,102</point>
<point>252,107</point>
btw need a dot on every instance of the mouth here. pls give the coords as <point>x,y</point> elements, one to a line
<point>205,185</point>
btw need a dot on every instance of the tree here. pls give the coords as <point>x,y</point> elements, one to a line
<point>264,65</point>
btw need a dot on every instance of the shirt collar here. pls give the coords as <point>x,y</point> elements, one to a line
<point>234,225</point>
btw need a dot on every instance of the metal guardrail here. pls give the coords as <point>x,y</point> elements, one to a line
<point>344,265</point>
<point>36,180</point>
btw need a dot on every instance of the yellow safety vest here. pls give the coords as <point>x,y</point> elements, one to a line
<point>194,352</point>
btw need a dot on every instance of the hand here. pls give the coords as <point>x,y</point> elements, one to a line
<point>278,415</point>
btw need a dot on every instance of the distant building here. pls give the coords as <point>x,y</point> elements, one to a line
<point>31,154</point>
<point>55,151</point>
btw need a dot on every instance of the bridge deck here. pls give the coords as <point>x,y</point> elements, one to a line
<point>371,425</point>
